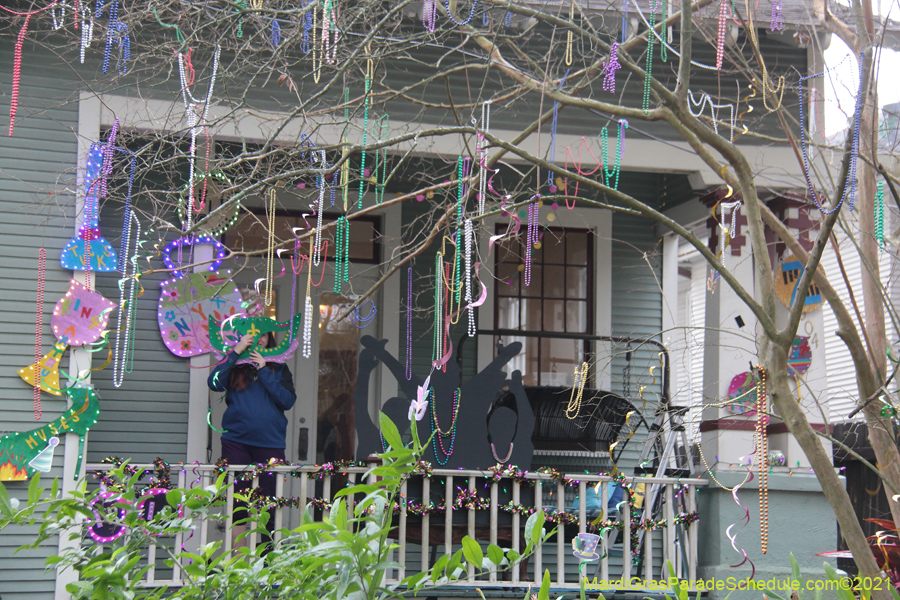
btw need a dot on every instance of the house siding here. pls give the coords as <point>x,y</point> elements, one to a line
<point>37,204</point>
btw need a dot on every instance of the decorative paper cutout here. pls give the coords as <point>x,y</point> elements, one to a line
<point>43,462</point>
<point>49,369</point>
<point>187,303</point>
<point>101,530</point>
<point>151,502</point>
<point>219,249</point>
<point>89,242</point>
<point>742,392</point>
<point>584,546</point>
<point>787,278</point>
<point>800,357</point>
<point>81,316</point>
<point>256,326</point>
<point>19,450</point>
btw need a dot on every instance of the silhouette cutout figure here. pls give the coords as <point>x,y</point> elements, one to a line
<point>491,408</point>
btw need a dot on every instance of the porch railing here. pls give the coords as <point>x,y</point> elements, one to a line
<point>671,537</point>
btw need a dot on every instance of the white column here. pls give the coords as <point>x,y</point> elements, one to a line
<point>79,359</point>
<point>670,303</point>
<point>198,395</point>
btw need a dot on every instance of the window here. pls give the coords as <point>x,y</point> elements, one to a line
<point>559,299</point>
<point>251,233</point>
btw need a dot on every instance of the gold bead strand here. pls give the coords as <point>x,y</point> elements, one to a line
<point>762,450</point>
<point>570,35</point>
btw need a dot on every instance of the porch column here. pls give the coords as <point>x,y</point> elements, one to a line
<point>79,358</point>
<point>793,495</point>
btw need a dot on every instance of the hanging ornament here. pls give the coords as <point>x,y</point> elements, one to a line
<point>87,29</point>
<point>742,394</point>
<point>81,316</point>
<point>49,372</point>
<point>185,306</point>
<point>235,327</point>
<point>800,357</point>
<point>787,279</point>
<point>723,30</point>
<point>88,251</point>
<point>18,450</point>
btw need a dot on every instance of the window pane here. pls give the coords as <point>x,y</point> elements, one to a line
<point>508,313</point>
<point>533,290</point>
<point>530,374</point>
<point>509,251</point>
<point>576,282</point>
<point>577,248</point>
<point>554,316</point>
<point>554,247</point>
<point>507,280</point>
<point>559,358</point>
<point>554,282</point>
<point>531,314</point>
<point>576,317</point>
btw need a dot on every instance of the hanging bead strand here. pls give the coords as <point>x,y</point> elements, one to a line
<point>482,152</point>
<point>39,332</point>
<point>366,101</point>
<point>308,308</point>
<point>270,251</point>
<point>438,347</point>
<point>409,323</point>
<point>529,244</point>
<point>468,239</point>
<point>879,216</point>
<point>648,68</point>
<point>762,452</point>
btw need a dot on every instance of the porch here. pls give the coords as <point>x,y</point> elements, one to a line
<point>490,507</point>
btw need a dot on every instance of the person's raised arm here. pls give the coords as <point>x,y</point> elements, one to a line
<point>218,379</point>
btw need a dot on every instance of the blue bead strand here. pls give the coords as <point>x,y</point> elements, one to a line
<point>850,187</point>
<point>471,13</point>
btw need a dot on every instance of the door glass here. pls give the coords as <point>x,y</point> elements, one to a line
<point>338,347</point>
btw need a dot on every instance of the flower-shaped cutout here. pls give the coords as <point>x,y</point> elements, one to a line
<point>418,406</point>
<point>170,315</point>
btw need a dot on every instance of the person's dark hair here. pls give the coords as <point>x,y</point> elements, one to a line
<point>242,375</point>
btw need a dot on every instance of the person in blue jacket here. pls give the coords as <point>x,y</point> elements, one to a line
<point>257,396</point>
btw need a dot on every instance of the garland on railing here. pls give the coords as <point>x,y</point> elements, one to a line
<point>329,469</point>
<point>160,478</point>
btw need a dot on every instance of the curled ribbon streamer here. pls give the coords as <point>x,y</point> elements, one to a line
<point>746,519</point>
<point>495,238</point>
<point>443,360</point>
<point>481,300</point>
<point>209,421</point>
<point>227,322</point>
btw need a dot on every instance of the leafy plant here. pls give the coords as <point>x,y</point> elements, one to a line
<point>346,555</point>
